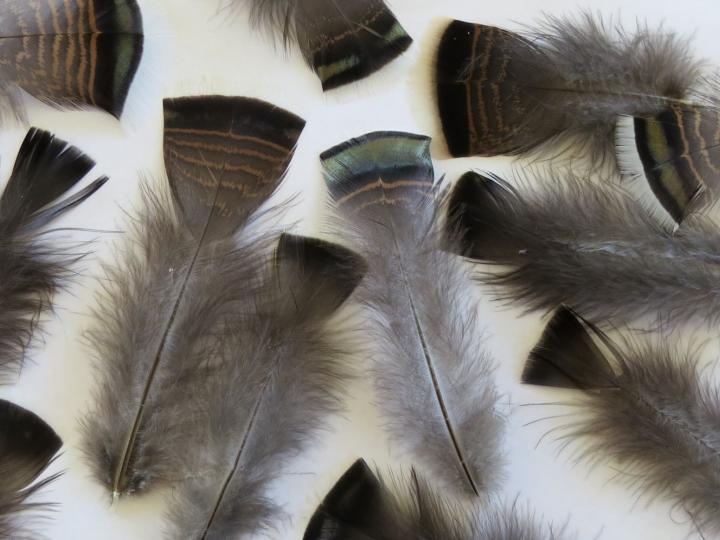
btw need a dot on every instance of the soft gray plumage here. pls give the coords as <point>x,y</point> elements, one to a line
<point>31,268</point>
<point>27,446</point>
<point>363,506</point>
<point>645,408</point>
<point>432,373</point>
<point>561,84</point>
<point>283,371</point>
<point>172,289</point>
<point>592,247</point>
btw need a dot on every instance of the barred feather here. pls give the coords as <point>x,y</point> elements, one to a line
<point>69,53</point>
<point>645,408</point>
<point>174,286</point>
<point>561,84</point>
<point>342,40</point>
<point>432,374</point>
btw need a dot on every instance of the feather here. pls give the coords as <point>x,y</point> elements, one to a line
<point>566,81</point>
<point>181,277</point>
<point>364,506</point>
<point>31,269</point>
<point>341,40</point>
<point>283,374</point>
<point>588,246</point>
<point>432,375</point>
<point>673,156</point>
<point>27,446</point>
<point>645,408</point>
<point>70,53</point>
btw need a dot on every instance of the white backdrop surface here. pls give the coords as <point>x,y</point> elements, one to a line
<point>195,47</point>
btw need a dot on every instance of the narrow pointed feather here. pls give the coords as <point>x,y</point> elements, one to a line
<point>647,409</point>
<point>589,246</point>
<point>364,506</point>
<point>283,373</point>
<point>70,53</point>
<point>175,284</point>
<point>31,269</point>
<point>27,446</point>
<point>342,40</point>
<point>432,374</point>
<point>560,84</point>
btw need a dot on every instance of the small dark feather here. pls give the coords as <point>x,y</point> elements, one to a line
<point>363,506</point>
<point>27,446</point>
<point>342,40</point>
<point>69,53</point>
<point>174,289</point>
<point>567,357</point>
<point>32,270</point>
<point>565,82</point>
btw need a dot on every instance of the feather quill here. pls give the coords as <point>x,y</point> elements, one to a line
<point>69,53</point>
<point>182,276</point>
<point>645,407</point>
<point>31,269</point>
<point>432,374</point>
<point>283,373</point>
<point>341,40</point>
<point>364,506</point>
<point>27,446</point>
<point>568,80</point>
<point>590,246</point>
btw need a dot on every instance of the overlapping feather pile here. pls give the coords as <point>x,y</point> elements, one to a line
<point>222,350</point>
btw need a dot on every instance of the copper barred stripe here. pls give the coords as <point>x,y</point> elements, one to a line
<point>72,52</point>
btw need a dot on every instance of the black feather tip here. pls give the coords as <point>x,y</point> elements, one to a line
<point>352,503</point>
<point>328,273</point>
<point>567,356</point>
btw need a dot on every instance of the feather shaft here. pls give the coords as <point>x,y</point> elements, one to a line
<point>382,186</point>
<point>562,83</point>
<point>282,373</point>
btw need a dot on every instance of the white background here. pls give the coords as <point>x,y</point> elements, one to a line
<point>193,47</point>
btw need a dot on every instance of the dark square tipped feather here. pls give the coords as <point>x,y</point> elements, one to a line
<point>31,270</point>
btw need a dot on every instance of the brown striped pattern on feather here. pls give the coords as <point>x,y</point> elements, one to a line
<point>72,53</point>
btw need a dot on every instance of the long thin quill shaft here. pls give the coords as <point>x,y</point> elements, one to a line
<point>431,373</point>
<point>282,373</point>
<point>224,158</point>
